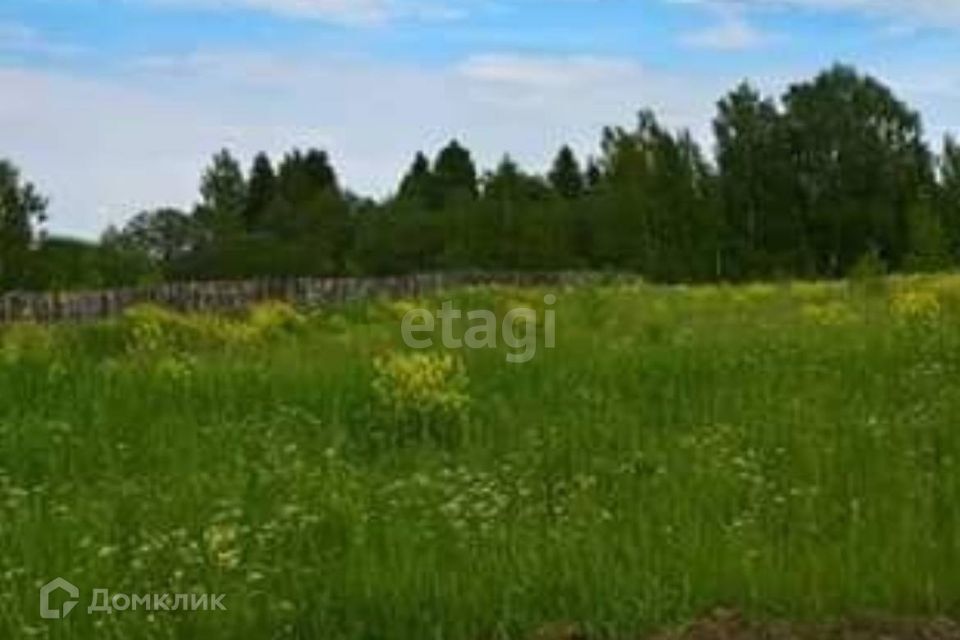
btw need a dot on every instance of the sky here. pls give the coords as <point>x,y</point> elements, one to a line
<point>115,106</point>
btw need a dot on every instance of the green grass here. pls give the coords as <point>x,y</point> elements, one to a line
<point>791,451</point>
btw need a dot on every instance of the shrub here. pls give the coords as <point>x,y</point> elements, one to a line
<point>275,318</point>
<point>151,329</point>
<point>915,307</point>
<point>26,342</point>
<point>421,396</point>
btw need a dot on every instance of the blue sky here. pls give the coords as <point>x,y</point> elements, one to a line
<point>113,106</point>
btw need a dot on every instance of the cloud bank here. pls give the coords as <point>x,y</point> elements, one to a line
<point>349,12</point>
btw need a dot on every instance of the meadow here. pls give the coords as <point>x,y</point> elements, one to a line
<point>786,450</point>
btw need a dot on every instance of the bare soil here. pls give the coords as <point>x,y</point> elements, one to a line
<point>730,625</point>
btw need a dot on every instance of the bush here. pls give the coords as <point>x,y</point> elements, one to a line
<point>26,342</point>
<point>915,307</point>
<point>275,318</point>
<point>149,329</point>
<point>152,329</point>
<point>421,397</point>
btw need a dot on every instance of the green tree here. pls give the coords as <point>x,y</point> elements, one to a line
<point>22,209</point>
<point>302,178</point>
<point>310,215</point>
<point>656,208</point>
<point>593,176</point>
<point>455,174</point>
<point>418,185</point>
<point>948,194</point>
<point>301,175</point>
<point>860,166</point>
<point>121,265</point>
<point>165,236</point>
<point>508,183</point>
<point>764,231</point>
<point>261,189</point>
<point>223,192</point>
<point>929,248</point>
<point>514,201</point>
<point>565,175</point>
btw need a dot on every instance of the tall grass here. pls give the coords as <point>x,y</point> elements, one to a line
<point>789,450</point>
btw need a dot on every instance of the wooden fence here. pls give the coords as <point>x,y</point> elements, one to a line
<point>225,296</point>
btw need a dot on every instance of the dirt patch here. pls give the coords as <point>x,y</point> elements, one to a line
<point>730,625</point>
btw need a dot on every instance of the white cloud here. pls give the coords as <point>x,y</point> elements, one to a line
<point>544,71</point>
<point>353,12</point>
<point>19,38</point>
<point>731,33</point>
<point>912,12</point>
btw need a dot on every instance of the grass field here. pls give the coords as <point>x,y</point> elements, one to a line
<point>790,451</point>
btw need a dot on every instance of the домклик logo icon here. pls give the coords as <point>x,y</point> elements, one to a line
<point>51,587</point>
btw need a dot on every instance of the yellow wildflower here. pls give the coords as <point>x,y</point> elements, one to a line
<point>423,392</point>
<point>829,314</point>
<point>915,307</point>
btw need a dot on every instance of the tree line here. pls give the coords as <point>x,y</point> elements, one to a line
<point>833,173</point>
